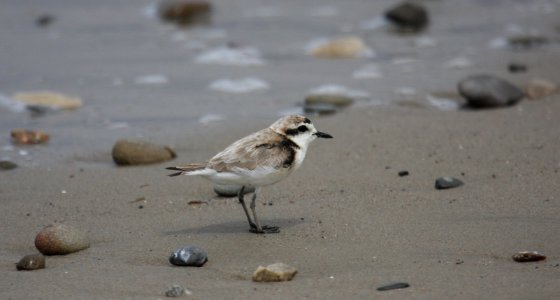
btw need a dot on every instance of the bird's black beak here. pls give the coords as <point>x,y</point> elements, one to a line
<point>322,135</point>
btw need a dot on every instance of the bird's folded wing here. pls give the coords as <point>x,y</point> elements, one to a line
<point>263,149</point>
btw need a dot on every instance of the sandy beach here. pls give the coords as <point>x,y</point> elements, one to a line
<point>349,223</point>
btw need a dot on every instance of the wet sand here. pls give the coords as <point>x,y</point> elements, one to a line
<point>348,222</point>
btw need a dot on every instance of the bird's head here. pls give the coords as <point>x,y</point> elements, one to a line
<point>298,129</point>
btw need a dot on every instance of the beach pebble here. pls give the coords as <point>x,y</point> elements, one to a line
<point>403,173</point>
<point>489,91</point>
<point>175,291</point>
<point>44,20</point>
<point>393,286</point>
<point>408,16</point>
<point>134,152</point>
<point>230,190</point>
<point>26,136</point>
<point>31,262</point>
<point>344,47</point>
<point>447,183</point>
<point>185,12</point>
<point>540,88</point>
<point>517,68</point>
<point>47,100</point>
<point>192,256</point>
<point>7,165</point>
<point>60,239</point>
<point>528,256</point>
<point>274,272</point>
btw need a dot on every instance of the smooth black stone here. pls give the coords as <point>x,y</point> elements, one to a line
<point>403,173</point>
<point>189,256</point>
<point>517,68</point>
<point>482,91</point>
<point>447,183</point>
<point>393,286</point>
<point>408,16</point>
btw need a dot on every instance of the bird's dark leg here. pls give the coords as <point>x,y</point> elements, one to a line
<point>258,228</point>
<point>242,201</point>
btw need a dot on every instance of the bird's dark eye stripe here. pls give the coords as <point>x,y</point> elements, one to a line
<point>307,121</point>
<point>302,128</point>
<point>292,131</point>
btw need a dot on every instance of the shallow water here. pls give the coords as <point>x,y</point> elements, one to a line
<point>132,70</point>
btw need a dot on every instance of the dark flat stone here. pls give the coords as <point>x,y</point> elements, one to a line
<point>393,286</point>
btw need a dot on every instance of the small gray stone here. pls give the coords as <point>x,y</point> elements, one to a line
<point>274,272</point>
<point>447,183</point>
<point>230,190</point>
<point>60,239</point>
<point>489,91</point>
<point>408,16</point>
<point>192,256</point>
<point>7,165</point>
<point>31,262</point>
<point>393,286</point>
<point>175,291</point>
<point>132,152</point>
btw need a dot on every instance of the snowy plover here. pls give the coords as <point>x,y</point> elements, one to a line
<point>262,158</point>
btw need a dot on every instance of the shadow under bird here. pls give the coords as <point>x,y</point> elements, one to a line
<point>260,159</point>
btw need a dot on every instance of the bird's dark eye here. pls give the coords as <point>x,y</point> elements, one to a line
<point>302,128</point>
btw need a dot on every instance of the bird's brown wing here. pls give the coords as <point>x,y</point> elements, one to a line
<point>262,149</point>
<point>186,168</point>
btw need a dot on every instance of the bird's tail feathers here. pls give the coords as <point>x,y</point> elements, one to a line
<point>185,169</point>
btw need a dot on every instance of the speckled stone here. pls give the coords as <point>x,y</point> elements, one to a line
<point>61,239</point>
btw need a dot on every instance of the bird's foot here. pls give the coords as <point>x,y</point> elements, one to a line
<point>265,229</point>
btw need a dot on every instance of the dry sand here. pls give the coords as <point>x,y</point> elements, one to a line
<point>348,222</point>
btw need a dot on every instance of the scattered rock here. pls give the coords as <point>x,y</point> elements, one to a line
<point>60,239</point>
<point>175,291</point>
<point>540,88</point>
<point>345,47</point>
<point>274,272</point>
<point>26,136</point>
<point>40,101</point>
<point>31,262</point>
<point>393,286</point>
<point>443,183</point>
<point>408,16</point>
<point>7,165</point>
<point>403,173</point>
<point>488,91</point>
<point>185,12</point>
<point>44,20</point>
<point>528,256</point>
<point>329,98</point>
<point>517,68</point>
<point>230,190</point>
<point>192,256</point>
<point>525,42</point>
<point>133,152</point>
